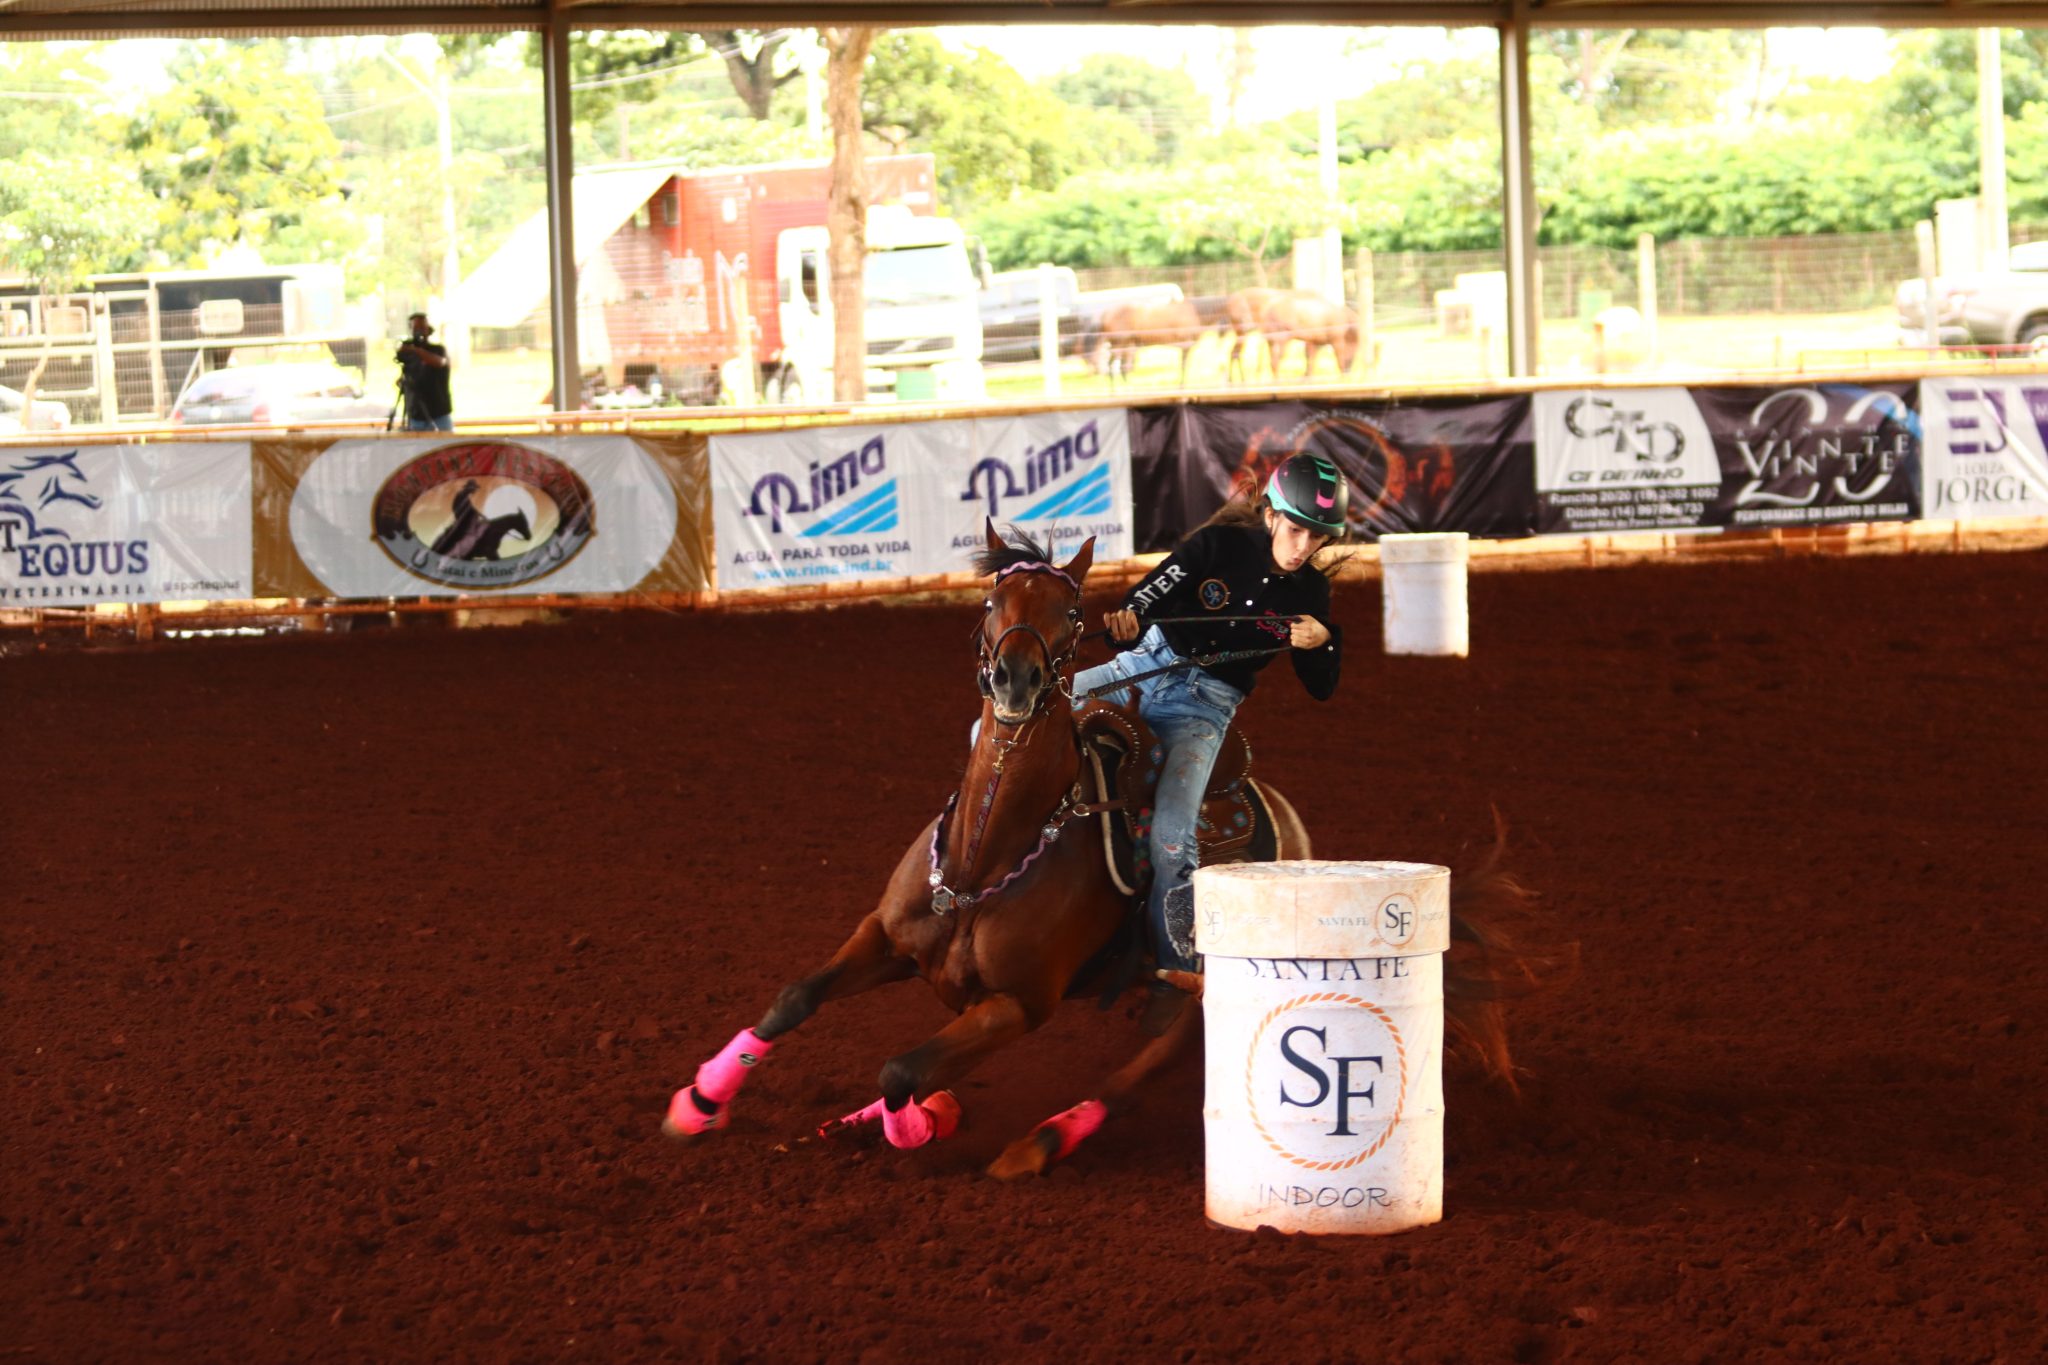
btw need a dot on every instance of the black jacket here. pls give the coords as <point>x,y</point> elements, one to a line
<point>1228,571</point>
<point>426,385</point>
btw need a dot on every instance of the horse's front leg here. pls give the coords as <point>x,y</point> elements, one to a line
<point>866,960</point>
<point>926,1070</point>
<point>1059,1135</point>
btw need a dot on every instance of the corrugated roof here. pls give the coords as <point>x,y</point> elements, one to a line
<point>513,282</point>
<point>112,18</point>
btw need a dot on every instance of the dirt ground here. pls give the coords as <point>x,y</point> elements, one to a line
<point>346,978</point>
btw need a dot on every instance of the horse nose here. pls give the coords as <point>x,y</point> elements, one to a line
<point>1001,675</point>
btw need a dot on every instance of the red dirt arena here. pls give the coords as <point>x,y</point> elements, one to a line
<point>347,978</point>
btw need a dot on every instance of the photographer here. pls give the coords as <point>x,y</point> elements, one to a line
<point>424,379</point>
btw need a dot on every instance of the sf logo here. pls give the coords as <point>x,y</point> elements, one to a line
<point>1397,919</point>
<point>1648,442</point>
<point>1333,1078</point>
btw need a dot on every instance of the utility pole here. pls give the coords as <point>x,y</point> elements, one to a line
<point>1331,283</point>
<point>454,332</point>
<point>1994,237</point>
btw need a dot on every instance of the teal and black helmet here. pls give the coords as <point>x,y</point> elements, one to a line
<point>1309,490</point>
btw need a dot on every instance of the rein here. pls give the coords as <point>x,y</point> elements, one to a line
<point>1223,656</point>
<point>1194,621</point>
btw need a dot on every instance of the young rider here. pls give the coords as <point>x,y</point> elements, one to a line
<point>1243,581</point>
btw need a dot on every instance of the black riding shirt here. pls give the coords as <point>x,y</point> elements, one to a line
<point>1221,572</point>
<point>427,384</point>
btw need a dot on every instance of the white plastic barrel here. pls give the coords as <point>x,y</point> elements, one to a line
<point>1323,1021</point>
<point>1422,589</point>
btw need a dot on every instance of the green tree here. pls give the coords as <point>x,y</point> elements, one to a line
<point>1427,102</point>
<point>51,99</point>
<point>1163,104</point>
<point>1251,209</point>
<point>990,131</point>
<point>236,151</point>
<point>1926,105</point>
<point>1631,77</point>
<point>64,218</point>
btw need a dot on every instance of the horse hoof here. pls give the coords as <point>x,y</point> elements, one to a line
<point>944,1107</point>
<point>686,1119</point>
<point>1027,1156</point>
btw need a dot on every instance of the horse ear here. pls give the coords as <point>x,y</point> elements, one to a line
<point>995,542</point>
<point>1077,567</point>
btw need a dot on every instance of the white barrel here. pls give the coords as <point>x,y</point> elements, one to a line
<point>1323,1017</point>
<point>1422,592</point>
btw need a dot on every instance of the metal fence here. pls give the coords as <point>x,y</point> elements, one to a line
<point>1706,277</point>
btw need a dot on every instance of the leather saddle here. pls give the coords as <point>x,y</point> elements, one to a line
<point>1120,766</point>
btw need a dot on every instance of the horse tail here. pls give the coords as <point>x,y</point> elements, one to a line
<point>1497,954</point>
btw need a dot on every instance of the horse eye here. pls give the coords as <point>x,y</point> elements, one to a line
<point>988,604</point>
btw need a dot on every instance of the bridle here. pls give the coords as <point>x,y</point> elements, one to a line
<point>1057,665</point>
<point>944,897</point>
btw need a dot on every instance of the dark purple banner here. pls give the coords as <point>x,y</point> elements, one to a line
<point>1813,454</point>
<point>1454,464</point>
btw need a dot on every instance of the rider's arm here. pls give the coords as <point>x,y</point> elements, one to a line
<point>1318,667</point>
<point>1173,578</point>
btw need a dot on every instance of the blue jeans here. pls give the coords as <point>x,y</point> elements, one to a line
<point>1189,711</point>
<point>445,422</point>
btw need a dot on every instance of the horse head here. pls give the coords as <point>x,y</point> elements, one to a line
<point>1031,624</point>
<point>1347,344</point>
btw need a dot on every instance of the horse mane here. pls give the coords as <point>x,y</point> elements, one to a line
<point>1019,549</point>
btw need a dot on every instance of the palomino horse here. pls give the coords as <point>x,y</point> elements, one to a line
<point>1128,328</point>
<point>1246,313</point>
<point>1004,903</point>
<point>1315,322</point>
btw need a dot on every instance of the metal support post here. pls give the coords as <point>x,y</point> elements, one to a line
<point>1518,195</point>
<point>561,172</point>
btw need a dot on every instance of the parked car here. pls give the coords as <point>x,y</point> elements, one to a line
<point>47,414</point>
<point>277,395</point>
<point>1983,308</point>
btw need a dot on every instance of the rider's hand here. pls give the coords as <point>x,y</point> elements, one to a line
<point>1307,633</point>
<point>1123,625</point>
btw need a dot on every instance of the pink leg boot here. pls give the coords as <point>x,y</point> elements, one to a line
<point>928,1120</point>
<point>1075,1126</point>
<point>705,1105</point>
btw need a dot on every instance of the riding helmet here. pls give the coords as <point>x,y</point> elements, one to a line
<point>1309,490</point>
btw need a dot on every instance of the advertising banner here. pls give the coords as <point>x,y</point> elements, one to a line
<point>1813,455</point>
<point>830,504</point>
<point>1060,477</point>
<point>843,504</point>
<point>124,523</point>
<point>1622,460</point>
<point>1458,464</point>
<point>440,518</point>
<point>1986,449</point>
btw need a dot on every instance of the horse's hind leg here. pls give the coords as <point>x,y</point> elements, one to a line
<point>1062,1133</point>
<point>934,1064</point>
<point>866,960</point>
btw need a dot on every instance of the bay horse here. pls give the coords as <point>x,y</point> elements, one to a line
<point>1315,322</point>
<point>1246,313</point>
<point>1127,328</point>
<point>1005,905</point>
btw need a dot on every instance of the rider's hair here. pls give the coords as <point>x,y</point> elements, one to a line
<point>1248,509</point>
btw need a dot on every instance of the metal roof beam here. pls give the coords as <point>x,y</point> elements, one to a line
<point>65,19</point>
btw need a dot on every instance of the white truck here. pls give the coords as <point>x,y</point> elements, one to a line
<point>1981,308</point>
